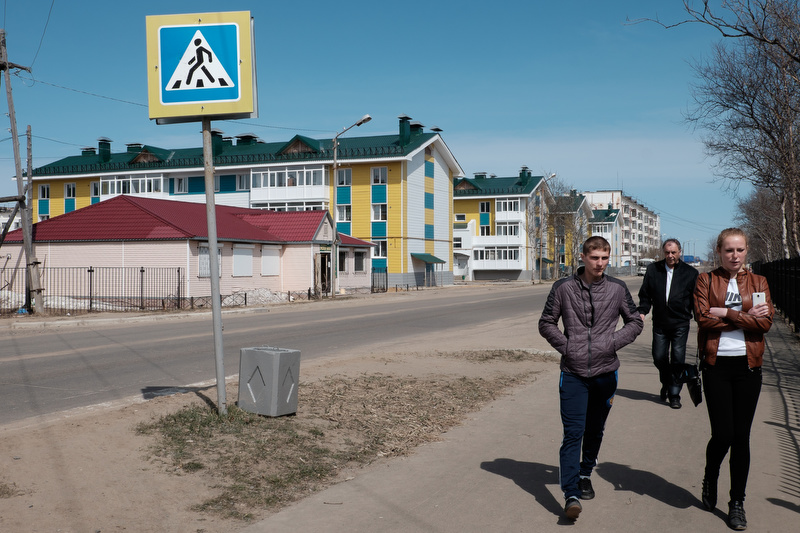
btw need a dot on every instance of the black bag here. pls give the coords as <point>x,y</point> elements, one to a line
<point>690,374</point>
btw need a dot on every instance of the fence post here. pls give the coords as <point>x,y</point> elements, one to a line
<point>178,292</point>
<point>91,272</point>
<point>141,288</point>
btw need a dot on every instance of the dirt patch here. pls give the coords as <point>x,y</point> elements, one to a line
<point>93,471</point>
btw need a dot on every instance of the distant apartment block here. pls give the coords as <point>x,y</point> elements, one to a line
<point>632,228</point>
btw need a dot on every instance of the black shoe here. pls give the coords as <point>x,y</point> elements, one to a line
<point>572,508</point>
<point>663,394</point>
<point>585,486</point>
<point>736,518</point>
<point>675,403</point>
<point>709,495</point>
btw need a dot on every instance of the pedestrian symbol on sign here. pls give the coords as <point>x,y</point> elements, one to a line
<point>199,68</point>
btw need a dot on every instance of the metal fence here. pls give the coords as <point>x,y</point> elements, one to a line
<point>783,277</point>
<point>380,279</point>
<point>71,290</point>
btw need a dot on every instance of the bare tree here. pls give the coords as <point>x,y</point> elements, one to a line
<point>773,23</point>
<point>536,225</point>
<point>567,223</point>
<point>748,102</point>
<point>762,222</point>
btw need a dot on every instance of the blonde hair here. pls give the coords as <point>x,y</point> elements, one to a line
<point>730,232</point>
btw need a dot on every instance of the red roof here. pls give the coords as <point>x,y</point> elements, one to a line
<point>347,240</point>
<point>146,219</point>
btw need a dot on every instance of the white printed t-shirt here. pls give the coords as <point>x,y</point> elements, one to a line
<point>731,343</point>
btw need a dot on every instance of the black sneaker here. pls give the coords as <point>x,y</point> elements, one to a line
<point>709,495</point>
<point>675,403</point>
<point>572,508</point>
<point>585,486</point>
<point>736,517</point>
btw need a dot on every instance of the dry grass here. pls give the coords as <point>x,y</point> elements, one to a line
<point>342,423</point>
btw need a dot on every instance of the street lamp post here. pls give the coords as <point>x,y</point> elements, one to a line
<point>334,252</point>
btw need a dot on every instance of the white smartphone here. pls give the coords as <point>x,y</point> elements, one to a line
<point>759,298</point>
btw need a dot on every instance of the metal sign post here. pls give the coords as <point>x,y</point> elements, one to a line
<point>213,259</point>
<point>201,67</point>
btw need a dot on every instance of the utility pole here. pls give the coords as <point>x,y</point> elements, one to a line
<point>31,263</point>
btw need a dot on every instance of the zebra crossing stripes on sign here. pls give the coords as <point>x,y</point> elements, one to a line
<point>199,68</point>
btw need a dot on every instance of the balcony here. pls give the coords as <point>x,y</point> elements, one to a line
<point>301,192</point>
<point>509,216</point>
<point>497,264</point>
<point>498,240</point>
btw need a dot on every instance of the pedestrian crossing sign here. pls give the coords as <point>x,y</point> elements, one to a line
<point>201,65</point>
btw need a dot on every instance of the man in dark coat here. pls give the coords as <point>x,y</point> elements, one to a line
<point>667,289</point>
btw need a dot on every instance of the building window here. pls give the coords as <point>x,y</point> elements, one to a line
<point>507,204</point>
<point>507,229</point>
<point>69,190</point>
<point>216,183</point>
<point>44,192</point>
<point>484,206</point>
<point>344,177</point>
<point>44,217</point>
<point>461,217</point>
<point>203,263</point>
<point>270,261</point>
<point>485,231</point>
<point>379,212</point>
<point>343,213</point>
<point>379,251</point>
<point>360,261</point>
<point>182,185</point>
<point>243,260</point>
<point>94,188</point>
<point>456,242</point>
<point>342,261</point>
<point>243,182</point>
<point>380,175</point>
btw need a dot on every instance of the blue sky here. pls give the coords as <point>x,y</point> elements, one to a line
<point>565,87</point>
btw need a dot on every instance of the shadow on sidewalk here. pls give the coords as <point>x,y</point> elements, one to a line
<point>782,376</point>
<point>533,478</point>
<point>623,477</point>
<point>639,395</point>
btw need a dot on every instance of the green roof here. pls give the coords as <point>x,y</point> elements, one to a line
<point>522,185</point>
<point>241,153</point>
<point>604,215</point>
<point>427,258</point>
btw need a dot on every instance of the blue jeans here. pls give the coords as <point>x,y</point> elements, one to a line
<point>669,348</point>
<point>585,404</point>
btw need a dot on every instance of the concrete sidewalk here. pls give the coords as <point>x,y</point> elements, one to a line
<point>499,470</point>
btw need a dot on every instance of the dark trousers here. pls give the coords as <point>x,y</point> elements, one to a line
<point>669,348</point>
<point>585,403</point>
<point>732,390</point>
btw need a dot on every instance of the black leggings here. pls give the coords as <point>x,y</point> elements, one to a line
<point>731,390</point>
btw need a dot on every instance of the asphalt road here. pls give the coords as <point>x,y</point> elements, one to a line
<point>52,365</point>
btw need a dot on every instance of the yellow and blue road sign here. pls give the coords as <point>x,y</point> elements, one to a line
<point>201,65</point>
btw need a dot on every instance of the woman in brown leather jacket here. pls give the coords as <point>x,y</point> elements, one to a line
<point>731,340</point>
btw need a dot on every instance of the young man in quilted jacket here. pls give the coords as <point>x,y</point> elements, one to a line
<point>589,304</point>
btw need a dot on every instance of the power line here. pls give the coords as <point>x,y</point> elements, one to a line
<point>44,31</point>
<point>139,104</point>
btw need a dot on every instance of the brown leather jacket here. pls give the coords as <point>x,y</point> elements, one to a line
<point>710,292</point>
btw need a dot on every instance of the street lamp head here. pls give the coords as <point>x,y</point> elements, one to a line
<point>364,120</point>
